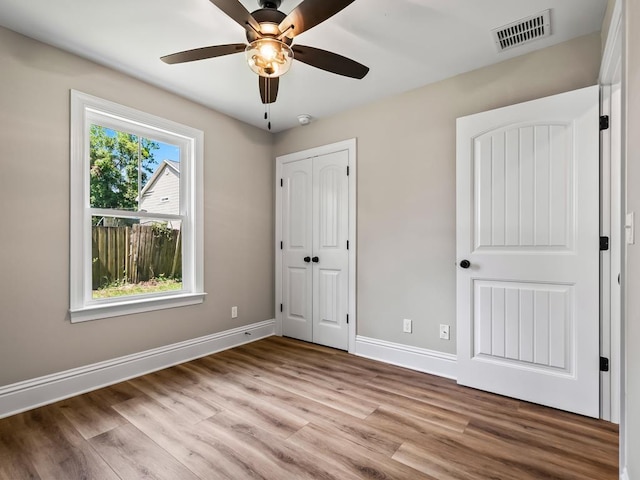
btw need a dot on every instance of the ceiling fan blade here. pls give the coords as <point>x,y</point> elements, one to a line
<point>329,61</point>
<point>268,89</point>
<point>310,13</point>
<point>203,53</point>
<point>236,11</point>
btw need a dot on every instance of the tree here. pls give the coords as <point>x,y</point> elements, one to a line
<point>120,164</point>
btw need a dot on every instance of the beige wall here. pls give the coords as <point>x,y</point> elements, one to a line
<point>36,337</point>
<point>406,183</point>
<point>632,321</point>
<point>606,22</point>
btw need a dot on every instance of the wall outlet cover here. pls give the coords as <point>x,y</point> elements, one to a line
<point>406,325</point>
<point>444,332</point>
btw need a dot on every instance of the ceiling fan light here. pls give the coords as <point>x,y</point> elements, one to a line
<point>268,28</point>
<point>269,57</point>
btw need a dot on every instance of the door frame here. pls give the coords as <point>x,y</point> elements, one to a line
<point>610,218</point>
<point>612,320</point>
<point>350,147</point>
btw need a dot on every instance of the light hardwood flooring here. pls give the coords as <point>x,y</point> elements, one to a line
<point>282,409</point>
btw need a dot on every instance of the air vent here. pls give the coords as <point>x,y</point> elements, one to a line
<point>523,31</point>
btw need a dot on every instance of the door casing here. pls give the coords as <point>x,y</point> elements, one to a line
<point>350,147</point>
<point>613,406</point>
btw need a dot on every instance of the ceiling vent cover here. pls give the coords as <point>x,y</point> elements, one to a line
<point>522,31</point>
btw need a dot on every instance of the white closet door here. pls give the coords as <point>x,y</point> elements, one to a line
<point>297,213</point>
<point>330,254</point>
<point>315,224</point>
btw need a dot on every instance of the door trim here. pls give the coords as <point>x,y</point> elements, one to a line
<point>350,147</point>
<point>611,73</point>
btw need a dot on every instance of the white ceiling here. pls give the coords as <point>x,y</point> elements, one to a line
<point>406,43</point>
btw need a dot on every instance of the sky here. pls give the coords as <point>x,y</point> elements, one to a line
<point>167,152</point>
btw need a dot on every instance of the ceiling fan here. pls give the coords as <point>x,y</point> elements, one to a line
<point>270,34</point>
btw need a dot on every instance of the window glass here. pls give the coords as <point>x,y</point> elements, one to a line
<point>133,256</point>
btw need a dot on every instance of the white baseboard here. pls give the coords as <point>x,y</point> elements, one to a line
<point>420,359</point>
<point>22,396</point>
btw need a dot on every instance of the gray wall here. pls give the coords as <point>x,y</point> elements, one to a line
<point>406,183</point>
<point>632,324</point>
<point>36,337</point>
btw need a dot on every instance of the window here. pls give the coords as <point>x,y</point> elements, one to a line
<point>136,211</point>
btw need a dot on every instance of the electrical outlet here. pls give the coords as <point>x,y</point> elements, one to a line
<point>406,325</point>
<point>444,332</point>
<point>234,312</point>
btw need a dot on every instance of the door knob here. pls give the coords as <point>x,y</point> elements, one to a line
<point>307,259</point>
<point>315,259</point>
<point>465,263</point>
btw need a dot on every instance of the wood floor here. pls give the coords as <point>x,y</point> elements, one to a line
<point>282,409</point>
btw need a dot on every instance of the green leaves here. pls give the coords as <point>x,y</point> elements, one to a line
<point>121,164</point>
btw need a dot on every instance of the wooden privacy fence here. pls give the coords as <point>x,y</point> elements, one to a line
<point>135,254</point>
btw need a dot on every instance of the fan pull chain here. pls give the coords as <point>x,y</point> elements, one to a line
<point>267,106</point>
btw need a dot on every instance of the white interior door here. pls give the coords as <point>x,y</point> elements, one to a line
<point>315,224</point>
<point>297,247</point>
<point>528,235</point>
<point>330,236</point>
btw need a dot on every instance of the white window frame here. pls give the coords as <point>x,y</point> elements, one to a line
<point>85,111</point>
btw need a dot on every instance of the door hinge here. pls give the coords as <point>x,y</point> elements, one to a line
<point>347,244</point>
<point>280,307</point>
<point>347,319</point>
<point>281,182</point>
<point>604,364</point>
<point>281,245</point>
<point>347,170</point>
<point>604,243</point>
<point>604,122</point>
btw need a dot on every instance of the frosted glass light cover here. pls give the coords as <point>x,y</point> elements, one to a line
<point>269,57</point>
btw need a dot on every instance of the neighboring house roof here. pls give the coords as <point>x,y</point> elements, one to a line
<point>175,166</point>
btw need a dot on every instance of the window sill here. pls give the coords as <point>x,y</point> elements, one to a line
<point>95,312</point>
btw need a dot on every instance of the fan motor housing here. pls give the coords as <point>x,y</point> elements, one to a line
<point>267,15</point>
<point>270,3</point>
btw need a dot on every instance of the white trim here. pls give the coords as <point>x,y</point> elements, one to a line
<point>138,304</point>
<point>86,110</point>
<point>108,212</point>
<point>611,72</point>
<point>420,359</point>
<point>353,241</point>
<point>278,251</point>
<point>610,226</point>
<point>350,147</point>
<point>606,269</point>
<point>22,396</point>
